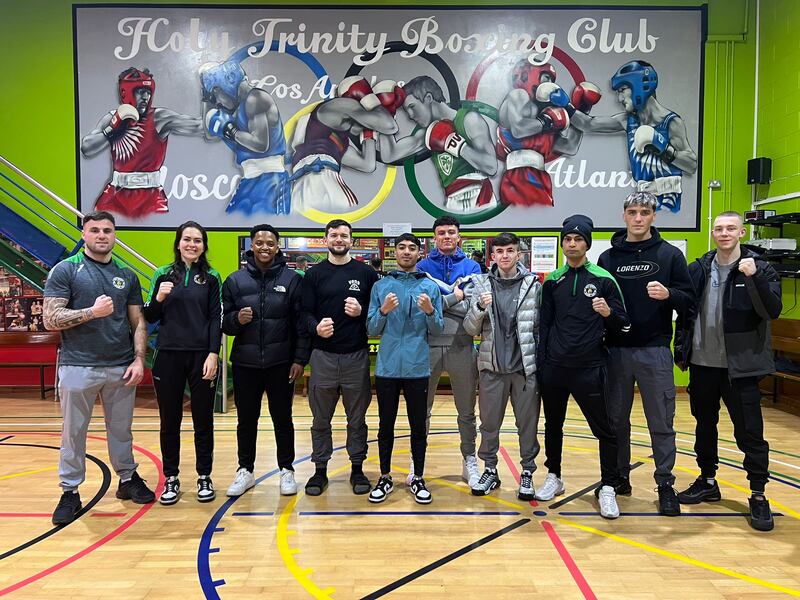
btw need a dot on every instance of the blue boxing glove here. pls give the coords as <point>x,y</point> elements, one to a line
<point>219,123</point>
<point>550,93</point>
<point>647,139</point>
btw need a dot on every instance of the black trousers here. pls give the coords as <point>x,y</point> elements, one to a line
<point>249,386</point>
<point>742,398</point>
<point>172,369</point>
<point>588,387</point>
<point>415,391</point>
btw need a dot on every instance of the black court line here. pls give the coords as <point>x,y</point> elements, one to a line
<point>645,514</point>
<point>443,561</point>
<point>8,437</point>
<point>588,488</point>
<point>86,508</point>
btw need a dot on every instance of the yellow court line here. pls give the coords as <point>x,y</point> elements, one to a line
<point>27,473</point>
<point>684,559</point>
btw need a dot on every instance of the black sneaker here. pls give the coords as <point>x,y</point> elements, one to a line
<point>135,489</point>
<point>700,491</point>
<point>316,485</point>
<point>623,488</point>
<point>68,507</point>
<point>760,514</point>
<point>360,483</point>
<point>668,504</point>
<point>205,489</point>
<point>421,493</point>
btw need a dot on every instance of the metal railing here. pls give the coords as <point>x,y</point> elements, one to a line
<point>70,234</point>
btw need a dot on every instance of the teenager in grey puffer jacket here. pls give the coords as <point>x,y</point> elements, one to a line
<point>504,309</point>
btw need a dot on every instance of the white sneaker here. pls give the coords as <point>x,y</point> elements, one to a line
<point>288,484</point>
<point>410,478</point>
<point>470,473</point>
<point>552,487</point>
<point>243,481</point>
<point>608,502</point>
<point>526,490</point>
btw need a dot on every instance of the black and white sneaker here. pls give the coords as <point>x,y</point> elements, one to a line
<point>383,488</point>
<point>205,489</point>
<point>172,489</point>
<point>488,481</point>
<point>526,491</point>
<point>421,493</point>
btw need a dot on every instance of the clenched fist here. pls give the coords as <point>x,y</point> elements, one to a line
<point>351,307</point>
<point>164,290</point>
<point>325,328</point>
<point>425,304</point>
<point>103,306</point>
<point>245,315</point>
<point>600,306</point>
<point>389,303</point>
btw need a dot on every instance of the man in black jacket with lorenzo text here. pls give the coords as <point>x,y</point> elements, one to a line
<point>261,308</point>
<point>335,300</point>
<point>725,343</point>
<point>654,279</point>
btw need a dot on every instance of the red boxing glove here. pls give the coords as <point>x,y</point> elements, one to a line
<point>359,89</point>
<point>554,118</point>
<point>441,136</point>
<point>122,118</point>
<point>585,96</point>
<point>390,95</point>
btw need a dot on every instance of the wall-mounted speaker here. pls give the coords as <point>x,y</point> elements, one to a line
<point>759,170</point>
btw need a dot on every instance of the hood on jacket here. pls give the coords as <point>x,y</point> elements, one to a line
<point>619,241</point>
<point>397,274</point>
<point>748,251</point>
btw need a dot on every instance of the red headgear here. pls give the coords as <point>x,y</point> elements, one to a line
<point>527,76</point>
<point>133,79</point>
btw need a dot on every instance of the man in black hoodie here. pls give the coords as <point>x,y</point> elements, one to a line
<point>655,281</point>
<point>725,343</point>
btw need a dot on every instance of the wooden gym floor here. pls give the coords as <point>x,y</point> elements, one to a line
<point>340,546</point>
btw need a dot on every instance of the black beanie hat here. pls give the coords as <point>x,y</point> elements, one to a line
<point>580,224</point>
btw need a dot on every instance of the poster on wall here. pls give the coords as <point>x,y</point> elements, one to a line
<point>506,118</point>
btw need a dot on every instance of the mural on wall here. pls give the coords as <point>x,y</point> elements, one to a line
<point>505,118</point>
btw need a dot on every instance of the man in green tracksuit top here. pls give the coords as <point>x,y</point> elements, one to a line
<point>405,306</point>
<point>579,302</point>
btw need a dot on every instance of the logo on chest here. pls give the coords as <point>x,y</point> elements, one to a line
<point>355,285</point>
<point>199,280</point>
<point>118,282</point>
<point>280,288</point>
<point>590,290</point>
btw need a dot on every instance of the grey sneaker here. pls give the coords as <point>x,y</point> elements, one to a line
<point>486,483</point>
<point>470,472</point>
<point>552,487</point>
<point>243,481</point>
<point>608,502</point>
<point>526,491</point>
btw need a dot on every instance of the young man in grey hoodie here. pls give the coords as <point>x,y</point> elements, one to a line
<point>504,310</point>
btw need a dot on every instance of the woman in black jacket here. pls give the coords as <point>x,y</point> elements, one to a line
<point>261,305</point>
<point>185,298</point>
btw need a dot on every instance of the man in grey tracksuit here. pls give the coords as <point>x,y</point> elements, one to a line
<point>504,310</point>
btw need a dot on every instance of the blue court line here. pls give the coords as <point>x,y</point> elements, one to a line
<point>253,514</point>
<point>404,513</point>
<point>637,514</point>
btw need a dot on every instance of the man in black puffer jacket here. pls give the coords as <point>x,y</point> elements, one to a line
<point>261,309</point>
<point>725,343</point>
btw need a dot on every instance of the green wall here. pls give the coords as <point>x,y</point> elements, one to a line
<point>38,125</point>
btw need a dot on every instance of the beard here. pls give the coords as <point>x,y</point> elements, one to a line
<point>338,251</point>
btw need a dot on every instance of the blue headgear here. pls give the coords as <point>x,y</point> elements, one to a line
<point>641,77</point>
<point>226,76</point>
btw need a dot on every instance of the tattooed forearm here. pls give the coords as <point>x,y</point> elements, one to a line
<point>139,328</point>
<point>57,316</point>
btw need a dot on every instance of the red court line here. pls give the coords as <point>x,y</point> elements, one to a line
<point>573,569</point>
<point>513,468</point>
<point>115,533</point>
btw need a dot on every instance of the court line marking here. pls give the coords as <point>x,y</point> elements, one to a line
<point>23,473</point>
<point>445,559</point>
<point>566,557</point>
<point>681,558</point>
<point>15,515</point>
<point>102,541</point>
<point>647,514</point>
<point>584,491</point>
<point>8,437</point>
<point>404,513</point>
<point>514,471</point>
